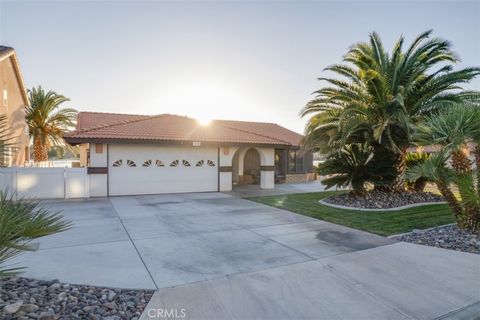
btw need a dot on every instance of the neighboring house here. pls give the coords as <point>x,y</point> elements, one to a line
<point>139,154</point>
<point>13,100</point>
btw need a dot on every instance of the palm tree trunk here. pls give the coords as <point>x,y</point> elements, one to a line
<point>400,168</point>
<point>471,215</point>
<point>451,200</point>
<point>460,162</point>
<point>477,166</point>
<point>40,150</point>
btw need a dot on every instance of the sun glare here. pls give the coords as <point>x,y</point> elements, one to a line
<point>204,121</point>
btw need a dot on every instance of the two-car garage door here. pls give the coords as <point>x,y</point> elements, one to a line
<point>152,169</point>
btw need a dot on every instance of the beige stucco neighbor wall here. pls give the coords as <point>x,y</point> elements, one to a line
<point>300,177</point>
<point>12,103</point>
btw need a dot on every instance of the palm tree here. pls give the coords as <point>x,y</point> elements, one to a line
<point>46,121</point>
<point>384,95</point>
<point>452,129</point>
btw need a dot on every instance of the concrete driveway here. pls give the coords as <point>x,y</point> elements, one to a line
<point>218,256</point>
<point>169,240</point>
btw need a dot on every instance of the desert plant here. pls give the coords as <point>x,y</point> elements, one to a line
<point>384,95</point>
<point>47,122</point>
<point>356,165</point>
<point>413,159</point>
<point>453,129</point>
<point>22,220</point>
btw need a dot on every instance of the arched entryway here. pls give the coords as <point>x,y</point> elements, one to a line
<point>246,167</point>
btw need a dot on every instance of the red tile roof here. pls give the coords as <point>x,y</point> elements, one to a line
<point>174,128</point>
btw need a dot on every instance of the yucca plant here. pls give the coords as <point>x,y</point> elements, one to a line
<point>453,129</point>
<point>379,97</point>
<point>21,221</point>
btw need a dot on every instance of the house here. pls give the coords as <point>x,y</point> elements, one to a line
<point>13,100</point>
<point>141,154</point>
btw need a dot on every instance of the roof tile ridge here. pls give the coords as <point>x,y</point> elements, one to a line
<point>115,113</point>
<point>136,118</point>
<point>257,134</point>
<point>245,121</point>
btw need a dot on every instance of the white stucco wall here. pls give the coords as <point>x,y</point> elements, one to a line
<point>267,179</point>
<point>98,185</point>
<point>225,181</point>
<point>98,159</point>
<point>226,156</point>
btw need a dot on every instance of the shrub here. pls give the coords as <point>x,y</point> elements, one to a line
<point>355,165</point>
<point>413,159</point>
<point>22,220</point>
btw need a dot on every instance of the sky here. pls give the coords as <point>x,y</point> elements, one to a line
<point>247,60</point>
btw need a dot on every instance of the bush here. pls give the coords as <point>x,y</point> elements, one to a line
<point>412,159</point>
<point>355,165</point>
<point>21,221</point>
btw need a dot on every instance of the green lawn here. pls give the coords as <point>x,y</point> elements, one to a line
<point>383,223</point>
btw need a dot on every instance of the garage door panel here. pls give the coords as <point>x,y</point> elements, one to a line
<point>125,180</point>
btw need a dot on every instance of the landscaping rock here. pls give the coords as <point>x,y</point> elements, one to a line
<point>12,308</point>
<point>447,237</point>
<point>376,199</point>
<point>51,300</point>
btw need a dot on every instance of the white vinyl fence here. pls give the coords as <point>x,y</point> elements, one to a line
<point>46,183</point>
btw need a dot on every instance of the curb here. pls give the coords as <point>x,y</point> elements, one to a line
<point>422,230</point>
<point>379,210</point>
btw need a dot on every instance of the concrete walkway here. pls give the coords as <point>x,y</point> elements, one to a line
<point>398,281</point>
<point>254,190</point>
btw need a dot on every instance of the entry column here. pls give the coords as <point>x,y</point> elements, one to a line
<point>225,168</point>
<point>267,167</point>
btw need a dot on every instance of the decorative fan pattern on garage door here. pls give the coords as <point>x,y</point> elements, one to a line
<point>117,163</point>
<point>147,163</point>
<point>159,163</point>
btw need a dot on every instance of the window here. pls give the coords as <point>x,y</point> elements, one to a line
<point>295,162</point>
<point>117,163</point>
<point>211,163</point>
<point>147,163</point>
<point>199,163</point>
<point>174,163</point>
<point>299,164</point>
<point>292,161</point>
<point>186,163</point>
<point>131,163</point>
<point>159,163</point>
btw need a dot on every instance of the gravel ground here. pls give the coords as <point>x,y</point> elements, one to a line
<point>447,237</point>
<point>22,298</point>
<point>382,200</point>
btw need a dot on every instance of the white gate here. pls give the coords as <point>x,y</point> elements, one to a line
<point>46,183</point>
